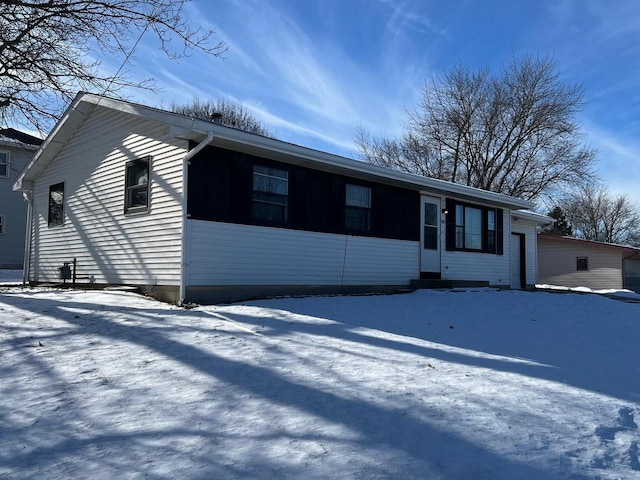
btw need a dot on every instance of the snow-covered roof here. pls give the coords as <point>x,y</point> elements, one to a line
<point>16,138</point>
<point>194,129</point>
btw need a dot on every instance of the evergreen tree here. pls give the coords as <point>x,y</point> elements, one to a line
<point>561,226</point>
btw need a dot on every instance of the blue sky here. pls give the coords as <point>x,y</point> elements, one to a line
<point>312,71</point>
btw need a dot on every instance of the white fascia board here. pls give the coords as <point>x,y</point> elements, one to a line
<point>73,116</point>
<point>534,217</point>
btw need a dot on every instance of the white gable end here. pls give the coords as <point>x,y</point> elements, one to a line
<point>111,247</point>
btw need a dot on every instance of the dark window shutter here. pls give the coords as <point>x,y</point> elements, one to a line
<point>378,226</point>
<point>451,224</point>
<point>337,204</point>
<point>499,231</point>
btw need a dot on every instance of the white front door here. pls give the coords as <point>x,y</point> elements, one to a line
<point>430,235</point>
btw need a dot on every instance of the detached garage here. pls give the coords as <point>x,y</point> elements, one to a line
<point>571,262</point>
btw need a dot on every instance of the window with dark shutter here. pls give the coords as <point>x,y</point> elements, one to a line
<point>473,228</point>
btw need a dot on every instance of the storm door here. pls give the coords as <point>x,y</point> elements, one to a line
<point>429,237</point>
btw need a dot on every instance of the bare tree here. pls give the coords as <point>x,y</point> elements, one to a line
<point>231,114</point>
<point>48,50</point>
<point>512,134</point>
<point>597,215</point>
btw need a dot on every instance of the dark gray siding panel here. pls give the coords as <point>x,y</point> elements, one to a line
<point>220,185</point>
<point>14,209</point>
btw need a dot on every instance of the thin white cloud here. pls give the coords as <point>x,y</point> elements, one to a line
<point>618,159</point>
<point>303,86</point>
<point>275,122</point>
<point>405,15</point>
<point>235,48</point>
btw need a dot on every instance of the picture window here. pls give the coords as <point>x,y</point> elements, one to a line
<point>473,228</point>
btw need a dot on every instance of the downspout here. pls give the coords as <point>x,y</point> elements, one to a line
<point>28,197</point>
<point>185,190</point>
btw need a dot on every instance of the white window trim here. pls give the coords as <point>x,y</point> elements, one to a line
<point>133,209</point>
<point>280,200</point>
<point>586,264</point>
<point>362,205</point>
<point>8,157</point>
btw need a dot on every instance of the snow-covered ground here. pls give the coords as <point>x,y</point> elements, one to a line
<point>430,385</point>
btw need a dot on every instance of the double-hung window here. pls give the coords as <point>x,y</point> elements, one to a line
<point>357,215</point>
<point>56,205</point>
<point>473,228</point>
<point>270,194</point>
<point>137,185</point>
<point>2,224</point>
<point>4,164</point>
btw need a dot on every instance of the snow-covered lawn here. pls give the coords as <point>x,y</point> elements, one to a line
<point>430,385</point>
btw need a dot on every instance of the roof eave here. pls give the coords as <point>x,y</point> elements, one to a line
<point>537,218</point>
<point>71,119</point>
<point>196,129</point>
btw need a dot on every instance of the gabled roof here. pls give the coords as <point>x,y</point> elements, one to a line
<point>11,136</point>
<point>589,243</point>
<point>197,130</point>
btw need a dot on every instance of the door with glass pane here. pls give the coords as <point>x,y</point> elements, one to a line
<point>430,236</point>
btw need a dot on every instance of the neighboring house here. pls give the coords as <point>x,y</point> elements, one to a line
<point>16,150</point>
<point>571,262</point>
<point>191,210</point>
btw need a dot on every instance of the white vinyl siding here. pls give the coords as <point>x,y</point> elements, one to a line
<point>109,246</point>
<point>558,265</point>
<point>531,251</point>
<point>232,254</point>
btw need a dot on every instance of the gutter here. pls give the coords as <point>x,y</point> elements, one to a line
<point>28,197</point>
<point>185,190</point>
